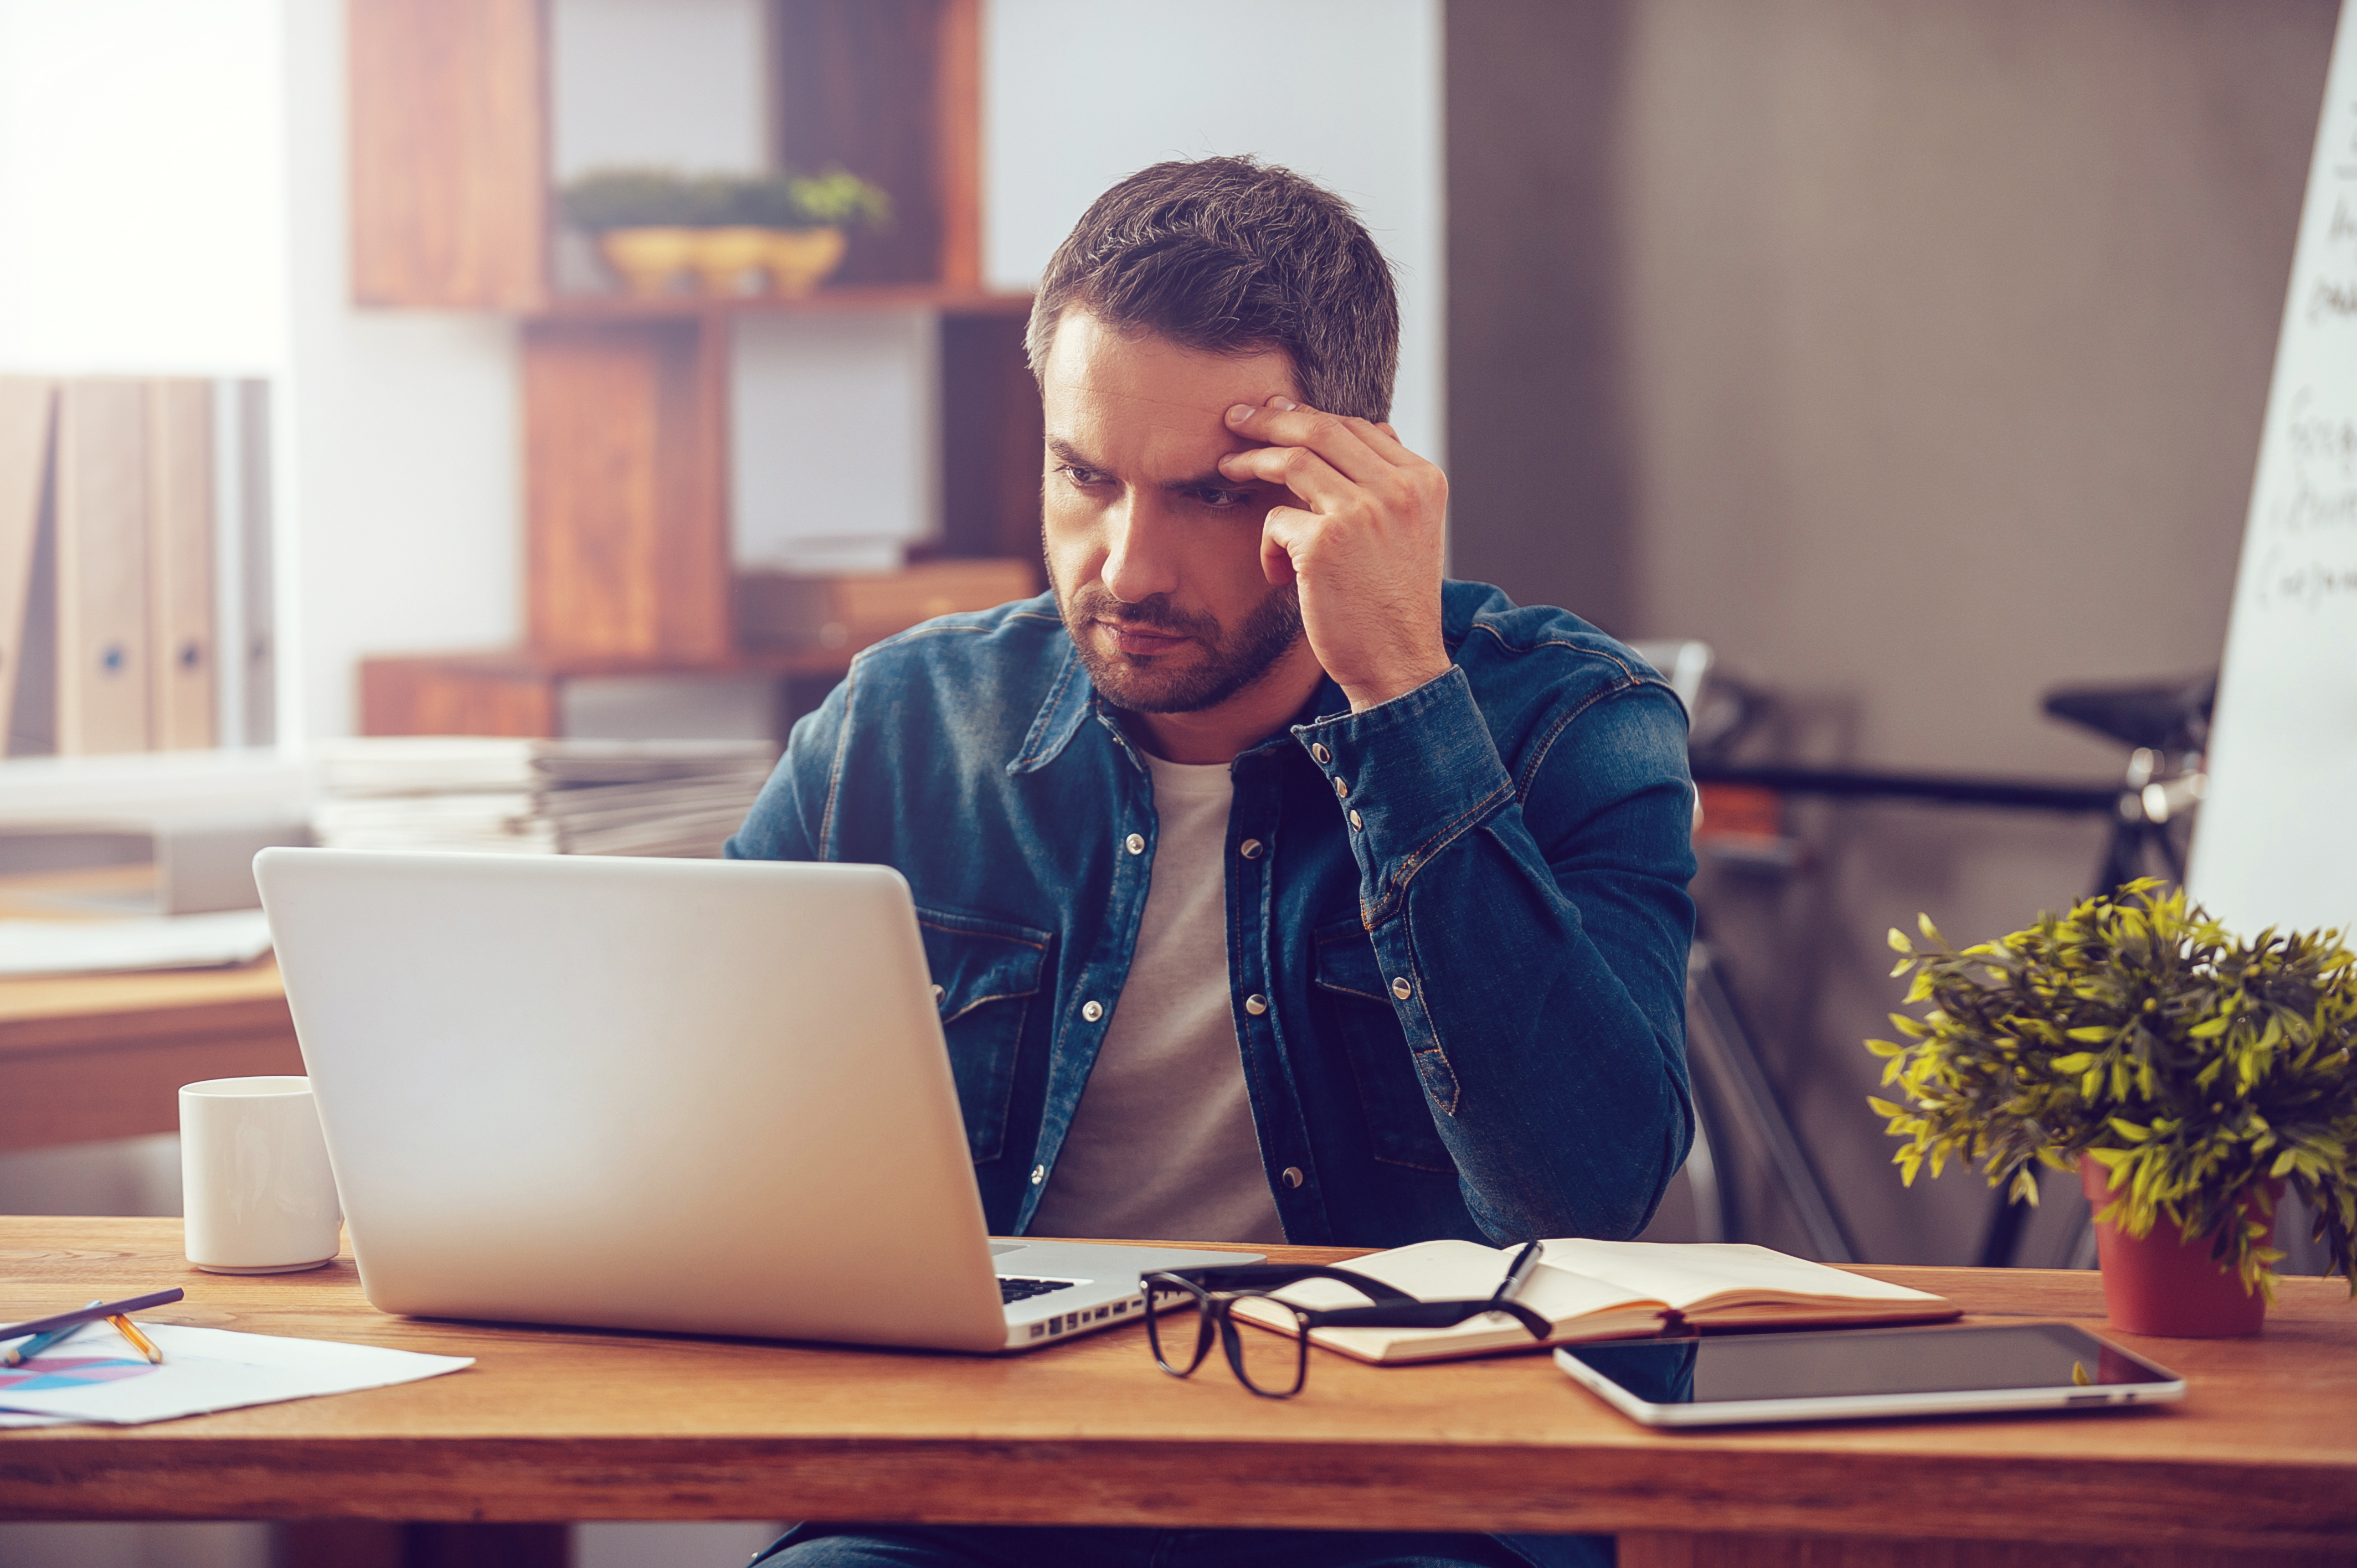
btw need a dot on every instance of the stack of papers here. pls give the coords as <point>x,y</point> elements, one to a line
<point>153,941</point>
<point>93,1376</point>
<point>668,798</point>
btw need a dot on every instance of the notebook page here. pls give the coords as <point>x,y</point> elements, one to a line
<point>1457,1271</point>
<point>1683,1274</point>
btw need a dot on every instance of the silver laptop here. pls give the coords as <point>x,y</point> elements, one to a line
<point>706,1097</point>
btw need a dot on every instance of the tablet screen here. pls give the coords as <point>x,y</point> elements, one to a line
<point>1731,1369</point>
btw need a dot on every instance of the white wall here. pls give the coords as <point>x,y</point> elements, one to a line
<point>399,440</point>
<point>143,212</point>
<point>1077,93</point>
<point>656,83</point>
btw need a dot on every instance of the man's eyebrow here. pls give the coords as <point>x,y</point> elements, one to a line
<point>1064,451</point>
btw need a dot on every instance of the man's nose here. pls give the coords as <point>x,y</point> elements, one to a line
<point>1139,559</point>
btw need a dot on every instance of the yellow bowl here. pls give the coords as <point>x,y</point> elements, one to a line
<point>801,259</point>
<point>723,256</point>
<point>648,259</point>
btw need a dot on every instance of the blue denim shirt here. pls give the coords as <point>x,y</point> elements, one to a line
<point>1457,922</point>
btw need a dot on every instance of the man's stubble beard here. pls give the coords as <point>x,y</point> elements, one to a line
<point>1230,660</point>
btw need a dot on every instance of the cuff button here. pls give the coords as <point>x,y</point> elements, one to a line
<point>1402,989</point>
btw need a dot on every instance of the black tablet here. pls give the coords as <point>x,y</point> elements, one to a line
<point>1731,1380</point>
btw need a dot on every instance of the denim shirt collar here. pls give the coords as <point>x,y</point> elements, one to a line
<point>1072,698</point>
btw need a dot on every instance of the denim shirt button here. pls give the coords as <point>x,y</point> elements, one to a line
<point>1256,1005</point>
<point>1249,849</point>
<point>1293,1176</point>
<point>1093,1011</point>
<point>1356,825</point>
<point>1039,1175</point>
<point>1134,844</point>
<point>938,994</point>
<point>1321,754</point>
<point>1341,788</point>
<point>1402,989</point>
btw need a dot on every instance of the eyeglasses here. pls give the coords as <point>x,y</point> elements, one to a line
<point>1275,1365</point>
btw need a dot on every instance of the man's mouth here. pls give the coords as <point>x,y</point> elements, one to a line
<point>1132,638</point>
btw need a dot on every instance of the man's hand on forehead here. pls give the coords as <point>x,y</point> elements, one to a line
<point>1364,544</point>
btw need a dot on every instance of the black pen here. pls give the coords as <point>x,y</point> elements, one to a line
<point>1518,1271</point>
<point>91,1314</point>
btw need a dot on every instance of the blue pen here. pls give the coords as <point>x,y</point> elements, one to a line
<point>41,1342</point>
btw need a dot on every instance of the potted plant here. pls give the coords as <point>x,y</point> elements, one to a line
<point>802,221</point>
<point>646,220</point>
<point>653,224</point>
<point>2188,1074</point>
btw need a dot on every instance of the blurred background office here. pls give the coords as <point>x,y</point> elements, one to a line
<point>1913,357</point>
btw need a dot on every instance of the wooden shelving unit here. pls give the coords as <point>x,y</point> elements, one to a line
<point>626,418</point>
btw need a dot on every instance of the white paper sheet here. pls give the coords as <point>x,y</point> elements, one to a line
<point>204,1369</point>
<point>161,941</point>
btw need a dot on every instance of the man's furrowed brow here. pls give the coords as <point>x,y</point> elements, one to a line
<point>1064,451</point>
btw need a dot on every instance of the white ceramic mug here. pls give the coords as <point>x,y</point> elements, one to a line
<point>254,1182</point>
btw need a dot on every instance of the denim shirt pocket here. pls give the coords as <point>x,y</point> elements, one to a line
<point>985,972</point>
<point>1356,1006</point>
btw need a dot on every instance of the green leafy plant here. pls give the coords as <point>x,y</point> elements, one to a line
<point>835,200</point>
<point>658,197</point>
<point>2197,1069</point>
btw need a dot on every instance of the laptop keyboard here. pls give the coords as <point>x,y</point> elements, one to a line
<point>1012,1289</point>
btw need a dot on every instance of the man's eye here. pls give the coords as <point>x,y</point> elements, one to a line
<point>1223,499</point>
<point>1079,475</point>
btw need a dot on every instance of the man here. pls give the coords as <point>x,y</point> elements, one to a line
<point>1273,888</point>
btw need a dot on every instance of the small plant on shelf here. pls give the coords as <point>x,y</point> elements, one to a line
<point>788,229</point>
<point>2189,1075</point>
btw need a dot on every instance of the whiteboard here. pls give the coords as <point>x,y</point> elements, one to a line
<point>2275,844</point>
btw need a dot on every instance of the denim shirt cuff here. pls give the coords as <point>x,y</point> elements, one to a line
<point>1410,776</point>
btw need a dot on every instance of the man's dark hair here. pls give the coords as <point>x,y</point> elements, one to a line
<point>1233,256</point>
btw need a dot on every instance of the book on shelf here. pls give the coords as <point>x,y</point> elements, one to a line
<point>677,798</point>
<point>1598,1290</point>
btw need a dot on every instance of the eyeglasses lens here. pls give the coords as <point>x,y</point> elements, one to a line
<point>1269,1362</point>
<point>1177,1324</point>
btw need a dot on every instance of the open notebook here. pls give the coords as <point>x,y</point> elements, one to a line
<point>1599,1290</point>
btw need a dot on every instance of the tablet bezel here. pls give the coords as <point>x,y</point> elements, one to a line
<point>1874,1407</point>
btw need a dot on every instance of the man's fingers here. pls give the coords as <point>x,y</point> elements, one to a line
<point>1298,469</point>
<point>1345,444</point>
<point>1385,443</point>
<point>1280,531</point>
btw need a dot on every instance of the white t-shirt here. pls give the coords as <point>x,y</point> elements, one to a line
<point>1163,1147</point>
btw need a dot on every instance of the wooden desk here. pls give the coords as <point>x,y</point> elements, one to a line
<point>580,1424</point>
<point>85,1057</point>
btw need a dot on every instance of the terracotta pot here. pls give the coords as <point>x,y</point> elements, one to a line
<point>648,259</point>
<point>801,259</point>
<point>723,256</point>
<point>2162,1284</point>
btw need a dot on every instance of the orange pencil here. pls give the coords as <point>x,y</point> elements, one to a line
<point>130,1332</point>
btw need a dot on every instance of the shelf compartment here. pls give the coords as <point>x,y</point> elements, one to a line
<point>626,487</point>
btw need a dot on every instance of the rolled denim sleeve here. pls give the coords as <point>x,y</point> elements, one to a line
<point>1533,923</point>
